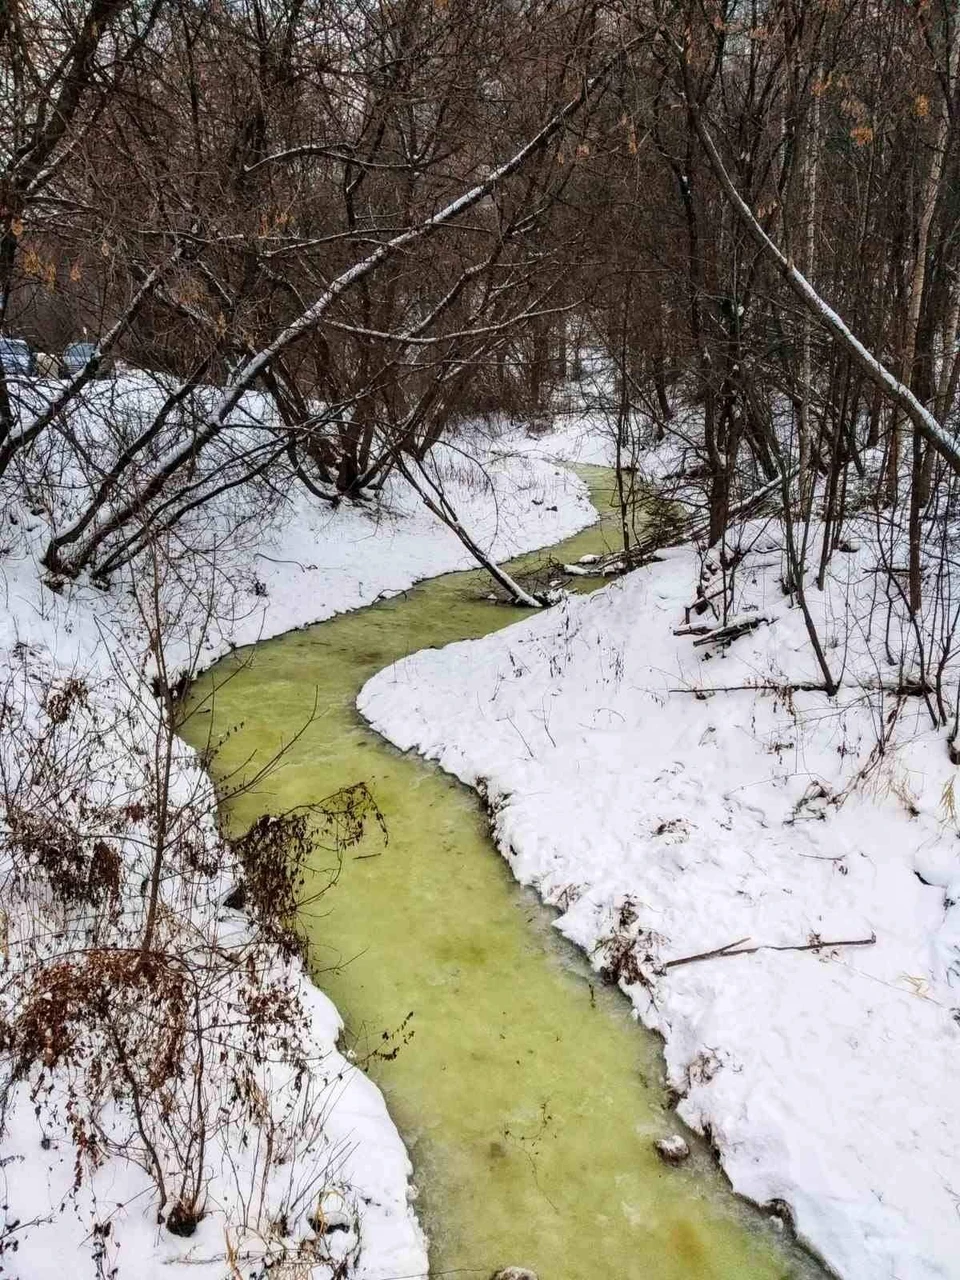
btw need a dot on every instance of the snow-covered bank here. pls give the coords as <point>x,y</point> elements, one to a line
<point>667,821</point>
<point>317,562</point>
<point>308,564</point>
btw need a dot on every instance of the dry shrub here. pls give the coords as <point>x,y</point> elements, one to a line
<point>275,851</point>
<point>74,1005</point>
<point>141,1032</point>
<point>342,817</point>
<point>66,697</point>
<point>59,829</point>
<point>148,1056</point>
<point>76,869</point>
<point>273,854</point>
<point>626,949</point>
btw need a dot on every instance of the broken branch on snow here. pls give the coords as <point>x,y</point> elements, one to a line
<point>737,949</point>
<point>732,630</point>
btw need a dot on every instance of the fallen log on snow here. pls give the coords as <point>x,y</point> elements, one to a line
<point>733,628</point>
<point>737,949</point>
<point>690,530</point>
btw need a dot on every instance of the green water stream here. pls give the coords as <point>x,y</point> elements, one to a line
<point>527,1095</point>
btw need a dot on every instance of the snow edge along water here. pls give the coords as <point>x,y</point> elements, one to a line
<point>742,821</point>
<point>316,564</point>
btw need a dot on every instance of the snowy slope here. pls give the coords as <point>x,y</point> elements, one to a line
<point>678,821</point>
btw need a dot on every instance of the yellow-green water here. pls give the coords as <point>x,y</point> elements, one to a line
<point>527,1095</point>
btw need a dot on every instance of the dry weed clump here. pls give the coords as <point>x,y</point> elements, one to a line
<point>626,948</point>
<point>73,1005</point>
<point>274,851</point>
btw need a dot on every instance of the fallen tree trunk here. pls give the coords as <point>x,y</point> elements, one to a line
<point>691,530</point>
<point>737,949</point>
<point>438,503</point>
<point>732,629</point>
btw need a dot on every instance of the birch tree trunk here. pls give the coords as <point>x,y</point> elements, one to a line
<point>928,205</point>
<point>811,159</point>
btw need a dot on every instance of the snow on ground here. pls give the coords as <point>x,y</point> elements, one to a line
<point>580,434</point>
<point>310,564</point>
<point>317,562</point>
<point>667,821</point>
<point>576,438</point>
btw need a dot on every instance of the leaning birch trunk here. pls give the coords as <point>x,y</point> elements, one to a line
<point>440,506</point>
<point>878,373</point>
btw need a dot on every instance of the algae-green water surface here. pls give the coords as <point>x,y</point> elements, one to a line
<point>527,1095</point>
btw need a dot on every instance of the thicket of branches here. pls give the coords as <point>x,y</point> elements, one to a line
<point>385,217</point>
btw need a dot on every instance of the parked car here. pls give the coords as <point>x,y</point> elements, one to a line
<point>17,359</point>
<point>74,357</point>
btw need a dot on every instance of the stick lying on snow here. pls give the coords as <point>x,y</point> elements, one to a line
<point>732,630</point>
<point>737,949</point>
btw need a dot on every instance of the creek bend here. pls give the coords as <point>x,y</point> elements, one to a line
<point>528,1096</point>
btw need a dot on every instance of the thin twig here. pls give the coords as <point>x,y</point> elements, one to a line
<point>909,689</point>
<point>735,949</point>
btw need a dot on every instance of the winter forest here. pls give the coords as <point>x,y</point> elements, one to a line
<point>479,639</point>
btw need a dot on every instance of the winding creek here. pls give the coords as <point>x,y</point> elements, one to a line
<point>527,1094</point>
